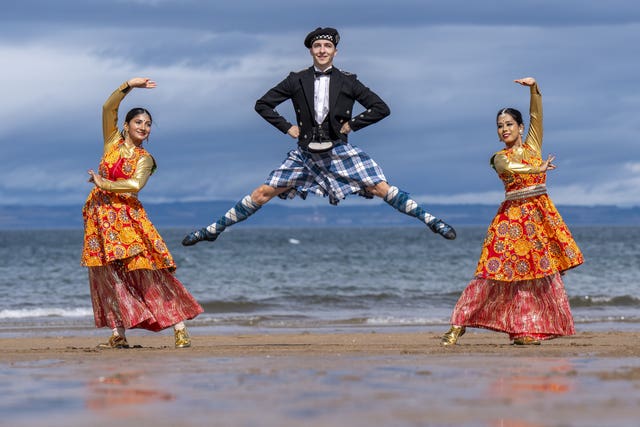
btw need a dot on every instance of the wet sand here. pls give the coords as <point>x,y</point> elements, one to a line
<point>322,379</point>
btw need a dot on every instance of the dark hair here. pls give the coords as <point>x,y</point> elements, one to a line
<point>134,112</point>
<point>510,111</point>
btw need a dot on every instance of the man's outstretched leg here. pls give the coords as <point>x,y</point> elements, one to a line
<point>402,202</point>
<point>241,211</point>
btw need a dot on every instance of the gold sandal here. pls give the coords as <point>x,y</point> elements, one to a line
<point>183,340</point>
<point>526,341</point>
<point>451,337</point>
<point>115,341</point>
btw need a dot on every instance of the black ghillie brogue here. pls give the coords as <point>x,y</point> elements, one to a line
<point>442,228</point>
<point>198,236</point>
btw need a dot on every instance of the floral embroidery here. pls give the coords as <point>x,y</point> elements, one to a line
<point>493,265</point>
<point>515,231</point>
<point>502,229</point>
<point>544,263</point>
<point>123,216</point>
<point>127,167</point>
<point>507,270</point>
<point>522,267</point>
<point>93,242</point>
<point>522,247</point>
<point>530,229</point>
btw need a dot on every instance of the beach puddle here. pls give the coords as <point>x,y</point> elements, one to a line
<point>323,391</point>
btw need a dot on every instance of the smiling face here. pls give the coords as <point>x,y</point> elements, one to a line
<point>323,52</point>
<point>509,131</point>
<point>138,128</point>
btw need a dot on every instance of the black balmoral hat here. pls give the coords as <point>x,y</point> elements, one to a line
<point>319,33</point>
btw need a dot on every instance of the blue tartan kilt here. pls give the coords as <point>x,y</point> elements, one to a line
<point>335,174</point>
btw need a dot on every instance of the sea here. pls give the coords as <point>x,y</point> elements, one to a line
<point>265,280</point>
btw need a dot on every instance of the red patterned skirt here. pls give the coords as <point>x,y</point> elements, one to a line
<point>538,308</point>
<point>147,299</point>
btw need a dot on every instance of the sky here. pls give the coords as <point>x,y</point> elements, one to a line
<point>444,68</point>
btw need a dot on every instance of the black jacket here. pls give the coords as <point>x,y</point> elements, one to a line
<point>344,90</point>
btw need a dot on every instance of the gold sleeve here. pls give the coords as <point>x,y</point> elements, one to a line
<point>534,135</point>
<point>110,112</point>
<point>501,164</point>
<point>144,167</point>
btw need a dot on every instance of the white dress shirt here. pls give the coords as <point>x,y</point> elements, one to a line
<point>321,96</point>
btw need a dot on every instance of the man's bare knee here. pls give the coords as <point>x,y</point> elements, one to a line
<point>264,193</point>
<point>380,189</point>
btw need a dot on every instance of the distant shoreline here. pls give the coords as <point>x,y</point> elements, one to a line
<point>279,214</point>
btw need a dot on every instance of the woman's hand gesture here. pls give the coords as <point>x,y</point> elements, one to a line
<point>94,178</point>
<point>142,82</point>
<point>547,165</point>
<point>526,81</point>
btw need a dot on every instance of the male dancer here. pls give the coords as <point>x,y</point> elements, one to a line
<point>324,162</point>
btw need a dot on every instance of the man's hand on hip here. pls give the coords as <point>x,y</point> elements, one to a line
<point>294,132</point>
<point>345,129</point>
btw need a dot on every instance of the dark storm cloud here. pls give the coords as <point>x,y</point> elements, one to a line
<point>443,67</point>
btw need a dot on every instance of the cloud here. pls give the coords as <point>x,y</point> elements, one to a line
<point>443,74</point>
<point>270,17</point>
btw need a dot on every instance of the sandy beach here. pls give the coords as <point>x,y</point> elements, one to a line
<point>367,378</point>
<point>147,345</point>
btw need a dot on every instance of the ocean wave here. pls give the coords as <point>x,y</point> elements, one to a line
<point>302,321</point>
<point>242,306</point>
<point>399,321</point>
<point>269,321</point>
<point>45,312</point>
<point>301,301</point>
<point>80,317</point>
<point>604,301</point>
<point>590,319</point>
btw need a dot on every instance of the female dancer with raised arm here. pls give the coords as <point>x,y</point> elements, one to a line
<point>130,268</point>
<point>518,287</point>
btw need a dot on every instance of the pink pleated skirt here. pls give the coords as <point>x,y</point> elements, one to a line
<point>146,299</point>
<point>536,308</point>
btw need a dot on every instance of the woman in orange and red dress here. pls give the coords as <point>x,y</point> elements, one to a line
<point>130,268</point>
<point>517,287</point>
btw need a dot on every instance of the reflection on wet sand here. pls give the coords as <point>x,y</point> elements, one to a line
<point>120,389</point>
<point>530,385</point>
<point>526,382</point>
<point>316,380</point>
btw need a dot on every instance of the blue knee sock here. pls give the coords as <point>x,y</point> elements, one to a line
<point>402,202</point>
<point>241,211</point>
